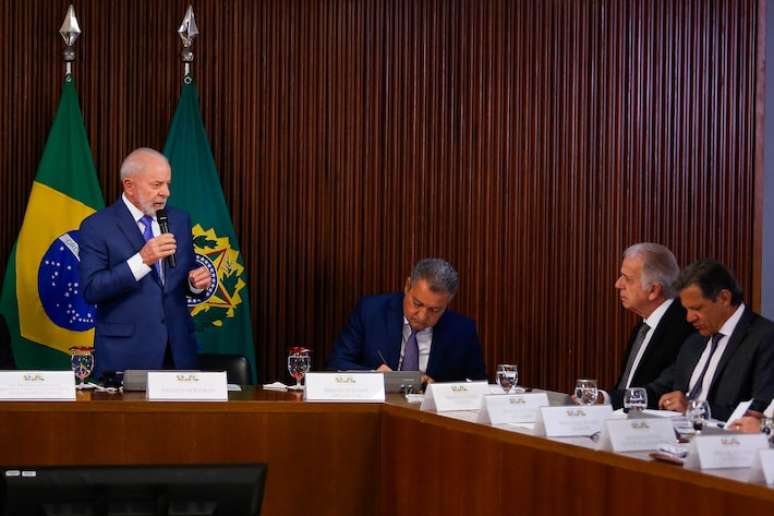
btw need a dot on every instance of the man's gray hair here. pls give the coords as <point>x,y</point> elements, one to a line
<point>439,275</point>
<point>658,266</point>
<point>135,161</point>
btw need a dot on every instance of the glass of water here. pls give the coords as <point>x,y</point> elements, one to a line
<point>507,376</point>
<point>586,391</point>
<point>698,412</point>
<point>636,399</point>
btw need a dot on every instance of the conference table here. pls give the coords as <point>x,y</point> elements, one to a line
<point>363,459</point>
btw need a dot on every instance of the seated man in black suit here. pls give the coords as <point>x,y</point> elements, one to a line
<point>645,288</point>
<point>731,359</point>
<point>413,330</point>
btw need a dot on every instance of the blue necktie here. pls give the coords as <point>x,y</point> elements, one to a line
<point>411,353</point>
<point>696,390</point>
<point>147,233</point>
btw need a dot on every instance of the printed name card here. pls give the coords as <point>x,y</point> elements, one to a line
<point>349,387</point>
<point>187,386</point>
<point>442,397</point>
<point>763,467</point>
<point>724,450</point>
<point>572,420</point>
<point>627,435</point>
<point>37,385</point>
<point>499,409</point>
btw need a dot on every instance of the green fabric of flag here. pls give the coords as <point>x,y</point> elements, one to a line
<point>222,319</point>
<point>41,298</point>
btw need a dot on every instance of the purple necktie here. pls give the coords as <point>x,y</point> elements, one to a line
<point>147,233</point>
<point>411,353</point>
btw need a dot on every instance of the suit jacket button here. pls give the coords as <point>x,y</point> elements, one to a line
<point>163,321</point>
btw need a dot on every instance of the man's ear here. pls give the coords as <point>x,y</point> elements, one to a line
<point>724,297</point>
<point>407,286</point>
<point>656,291</point>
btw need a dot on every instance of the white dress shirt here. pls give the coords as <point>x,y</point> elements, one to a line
<point>424,341</point>
<point>727,329</point>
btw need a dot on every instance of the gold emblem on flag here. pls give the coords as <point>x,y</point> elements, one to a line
<point>221,300</point>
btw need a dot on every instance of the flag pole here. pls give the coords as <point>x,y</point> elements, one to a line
<point>70,30</point>
<point>187,32</point>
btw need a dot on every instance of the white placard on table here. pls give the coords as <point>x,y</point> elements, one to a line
<point>641,434</point>
<point>724,450</point>
<point>499,409</point>
<point>348,386</point>
<point>37,385</point>
<point>442,397</point>
<point>763,467</point>
<point>187,386</point>
<point>572,420</point>
<point>738,412</point>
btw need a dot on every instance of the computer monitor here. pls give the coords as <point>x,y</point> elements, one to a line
<point>185,490</point>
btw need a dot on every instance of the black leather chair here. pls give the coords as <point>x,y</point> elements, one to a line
<point>236,366</point>
<point>6,354</point>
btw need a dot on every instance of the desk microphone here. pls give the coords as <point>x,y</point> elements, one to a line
<point>163,220</point>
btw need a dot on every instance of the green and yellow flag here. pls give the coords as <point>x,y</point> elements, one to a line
<point>222,318</point>
<point>41,299</point>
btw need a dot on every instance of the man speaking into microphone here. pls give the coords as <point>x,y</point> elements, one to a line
<point>137,265</point>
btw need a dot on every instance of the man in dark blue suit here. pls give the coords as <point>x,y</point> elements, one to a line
<point>413,330</point>
<point>142,319</point>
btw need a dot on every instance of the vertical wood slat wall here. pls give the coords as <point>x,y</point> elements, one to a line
<point>527,142</point>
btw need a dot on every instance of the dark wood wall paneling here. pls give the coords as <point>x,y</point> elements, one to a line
<point>527,142</point>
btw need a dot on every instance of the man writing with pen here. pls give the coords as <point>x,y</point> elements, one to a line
<point>413,330</point>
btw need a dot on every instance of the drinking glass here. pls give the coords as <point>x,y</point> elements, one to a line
<point>635,398</point>
<point>698,412</point>
<point>82,363</point>
<point>586,391</point>
<point>767,427</point>
<point>507,376</point>
<point>299,363</point>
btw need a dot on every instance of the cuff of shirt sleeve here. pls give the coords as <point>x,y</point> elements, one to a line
<point>138,267</point>
<point>193,290</point>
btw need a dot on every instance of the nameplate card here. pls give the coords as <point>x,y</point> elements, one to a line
<point>443,397</point>
<point>738,412</point>
<point>349,387</point>
<point>499,409</point>
<point>37,385</point>
<point>628,435</point>
<point>724,451</point>
<point>572,420</point>
<point>187,386</point>
<point>763,467</point>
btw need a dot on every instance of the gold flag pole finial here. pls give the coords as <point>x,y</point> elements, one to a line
<point>70,31</point>
<point>187,32</point>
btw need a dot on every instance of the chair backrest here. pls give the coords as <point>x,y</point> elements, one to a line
<point>236,366</point>
<point>6,355</point>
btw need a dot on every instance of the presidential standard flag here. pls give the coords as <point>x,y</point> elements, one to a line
<point>222,315</point>
<point>41,298</point>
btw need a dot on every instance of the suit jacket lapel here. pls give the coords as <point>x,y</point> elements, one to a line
<point>394,332</point>
<point>128,226</point>
<point>436,347</point>
<point>658,332</point>
<point>733,343</point>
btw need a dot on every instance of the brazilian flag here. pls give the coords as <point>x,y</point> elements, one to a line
<point>42,299</point>
<point>222,315</point>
